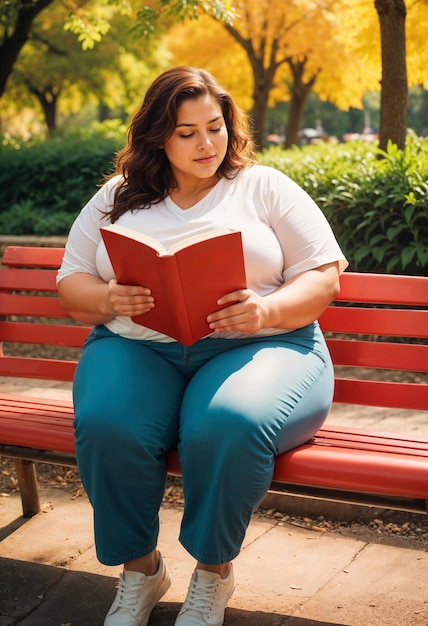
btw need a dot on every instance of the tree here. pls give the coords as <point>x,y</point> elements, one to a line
<point>394,91</point>
<point>332,48</point>
<point>55,69</point>
<point>404,62</point>
<point>390,35</point>
<point>16,18</point>
<point>299,94</point>
<point>86,19</point>
<point>290,48</point>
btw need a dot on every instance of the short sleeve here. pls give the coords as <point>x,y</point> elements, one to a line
<point>305,236</point>
<point>84,236</point>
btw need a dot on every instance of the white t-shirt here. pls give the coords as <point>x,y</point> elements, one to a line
<point>283,231</point>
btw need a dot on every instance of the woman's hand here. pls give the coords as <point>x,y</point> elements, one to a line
<point>129,300</point>
<point>297,303</point>
<point>92,301</point>
<point>243,311</point>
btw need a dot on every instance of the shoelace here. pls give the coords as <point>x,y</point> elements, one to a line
<point>128,594</point>
<point>201,596</point>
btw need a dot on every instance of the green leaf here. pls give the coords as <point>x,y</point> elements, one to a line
<point>361,253</point>
<point>392,232</point>
<point>407,255</point>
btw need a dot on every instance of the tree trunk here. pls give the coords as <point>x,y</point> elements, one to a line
<point>299,95</point>
<point>48,98</point>
<point>50,109</point>
<point>258,112</point>
<point>394,92</point>
<point>11,45</point>
<point>263,76</point>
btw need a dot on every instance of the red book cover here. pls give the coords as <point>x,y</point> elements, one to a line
<point>186,280</point>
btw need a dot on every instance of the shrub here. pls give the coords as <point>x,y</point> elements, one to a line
<point>49,182</point>
<point>376,203</point>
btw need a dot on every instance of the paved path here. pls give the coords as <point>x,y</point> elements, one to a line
<point>286,575</point>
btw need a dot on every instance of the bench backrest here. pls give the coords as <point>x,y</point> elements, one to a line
<point>379,323</point>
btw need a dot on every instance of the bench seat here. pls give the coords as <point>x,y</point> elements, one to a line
<point>345,463</point>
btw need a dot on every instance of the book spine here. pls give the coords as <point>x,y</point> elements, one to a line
<point>174,292</point>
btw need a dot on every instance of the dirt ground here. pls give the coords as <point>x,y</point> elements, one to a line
<point>409,530</point>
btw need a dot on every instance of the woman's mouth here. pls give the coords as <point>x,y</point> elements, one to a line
<point>206,159</point>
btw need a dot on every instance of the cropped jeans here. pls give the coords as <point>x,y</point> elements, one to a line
<point>230,405</point>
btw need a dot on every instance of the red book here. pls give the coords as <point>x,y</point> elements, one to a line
<point>186,280</point>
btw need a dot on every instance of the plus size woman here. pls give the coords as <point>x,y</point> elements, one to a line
<point>260,383</point>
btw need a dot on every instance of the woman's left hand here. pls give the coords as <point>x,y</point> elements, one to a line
<point>243,311</point>
<point>295,304</point>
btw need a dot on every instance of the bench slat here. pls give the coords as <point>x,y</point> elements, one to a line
<point>383,289</point>
<point>37,306</point>
<point>378,393</point>
<point>29,403</point>
<point>371,440</point>
<point>42,369</point>
<point>28,279</point>
<point>37,423</point>
<point>382,355</point>
<point>47,334</point>
<point>32,256</point>
<point>382,322</point>
<point>369,472</point>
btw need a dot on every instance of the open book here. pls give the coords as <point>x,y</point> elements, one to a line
<point>186,280</point>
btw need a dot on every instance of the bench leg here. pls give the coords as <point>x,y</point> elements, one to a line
<point>27,481</point>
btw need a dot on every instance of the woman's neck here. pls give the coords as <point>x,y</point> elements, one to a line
<point>187,195</point>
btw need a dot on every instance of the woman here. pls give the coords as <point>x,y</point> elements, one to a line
<point>259,384</point>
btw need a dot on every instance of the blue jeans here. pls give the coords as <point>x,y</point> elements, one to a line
<point>229,405</point>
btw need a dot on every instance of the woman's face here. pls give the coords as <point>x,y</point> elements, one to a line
<point>198,144</point>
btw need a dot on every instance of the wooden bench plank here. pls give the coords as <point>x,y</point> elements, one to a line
<point>36,306</point>
<point>47,334</point>
<point>385,355</point>
<point>25,279</point>
<point>393,395</point>
<point>42,369</point>
<point>35,256</point>
<point>381,322</point>
<point>383,289</point>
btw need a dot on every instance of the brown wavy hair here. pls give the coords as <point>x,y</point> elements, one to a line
<point>147,177</point>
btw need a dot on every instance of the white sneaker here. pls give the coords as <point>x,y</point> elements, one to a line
<point>136,597</point>
<point>206,599</point>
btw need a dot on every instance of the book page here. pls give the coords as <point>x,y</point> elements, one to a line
<point>190,241</point>
<point>159,247</point>
<point>130,233</point>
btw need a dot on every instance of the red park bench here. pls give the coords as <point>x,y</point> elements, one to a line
<point>379,322</point>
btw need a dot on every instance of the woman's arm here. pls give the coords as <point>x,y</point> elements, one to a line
<point>297,303</point>
<point>90,300</point>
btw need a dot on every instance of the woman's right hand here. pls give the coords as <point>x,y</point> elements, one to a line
<point>91,300</point>
<point>129,300</point>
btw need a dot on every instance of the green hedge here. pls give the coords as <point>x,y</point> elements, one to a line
<point>44,185</point>
<point>376,203</point>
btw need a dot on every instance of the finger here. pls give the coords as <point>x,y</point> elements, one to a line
<point>235,296</point>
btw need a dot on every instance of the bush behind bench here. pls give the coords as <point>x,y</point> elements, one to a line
<point>378,207</point>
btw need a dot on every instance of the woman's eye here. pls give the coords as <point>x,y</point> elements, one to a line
<point>211,130</point>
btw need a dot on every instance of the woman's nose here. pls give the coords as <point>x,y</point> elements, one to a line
<point>204,140</point>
